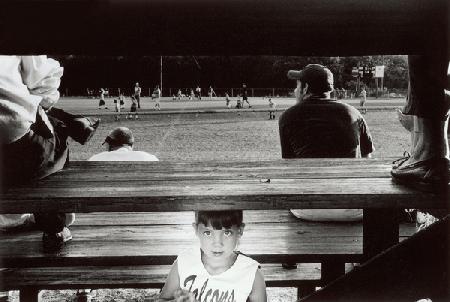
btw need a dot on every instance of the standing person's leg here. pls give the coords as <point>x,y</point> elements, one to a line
<point>138,98</point>
<point>428,103</point>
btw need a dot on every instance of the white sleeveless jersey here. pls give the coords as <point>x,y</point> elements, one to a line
<point>233,285</point>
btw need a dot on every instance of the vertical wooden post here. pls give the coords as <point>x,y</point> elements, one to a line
<point>331,270</point>
<point>305,290</point>
<point>29,295</point>
<point>380,231</point>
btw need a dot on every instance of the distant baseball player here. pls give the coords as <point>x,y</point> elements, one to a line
<point>198,92</point>
<point>137,94</point>
<point>211,92</point>
<point>239,103</point>
<point>117,109</point>
<point>121,100</point>
<point>157,96</point>
<point>102,102</point>
<point>245,96</point>
<point>227,100</point>
<point>133,109</point>
<point>272,106</point>
<point>363,100</point>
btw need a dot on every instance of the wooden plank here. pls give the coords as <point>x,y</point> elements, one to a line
<point>178,218</point>
<point>142,276</point>
<point>127,245</point>
<point>160,245</point>
<point>278,194</point>
<point>246,27</point>
<point>165,186</point>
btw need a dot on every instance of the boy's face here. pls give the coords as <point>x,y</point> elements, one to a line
<point>218,245</point>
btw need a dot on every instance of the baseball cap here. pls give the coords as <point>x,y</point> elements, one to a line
<point>318,77</point>
<point>120,136</point>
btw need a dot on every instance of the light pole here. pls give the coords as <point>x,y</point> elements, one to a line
<point>160,74</point>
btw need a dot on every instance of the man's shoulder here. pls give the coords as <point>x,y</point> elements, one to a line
<point>99,156</point>
<point>144,156</point>
<point>327,106</point>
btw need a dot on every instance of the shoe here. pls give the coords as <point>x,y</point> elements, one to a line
<point>83,128</point>
<point>55,242</point>
<point>398,162</point>
<point>430,175</point>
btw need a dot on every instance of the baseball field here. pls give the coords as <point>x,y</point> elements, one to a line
<point>206,130</point>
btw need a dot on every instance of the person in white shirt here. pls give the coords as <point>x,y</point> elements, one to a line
<point>137,94</point>
<point>214,270</point>
<point>102,102</point>
<point>119,147</point>
<point>157,96</point>
<point>33,133</point>
<point>198,92</point>
<point>363,100</point>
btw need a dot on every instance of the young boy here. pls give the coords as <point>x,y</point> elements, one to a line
<point>215,270</point>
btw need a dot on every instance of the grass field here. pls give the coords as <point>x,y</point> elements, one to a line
<point>228,136</point>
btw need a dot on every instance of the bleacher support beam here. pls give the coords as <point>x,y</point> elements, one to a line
<point>215,27</point>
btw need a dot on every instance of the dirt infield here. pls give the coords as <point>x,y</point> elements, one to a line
<point>227,136</point>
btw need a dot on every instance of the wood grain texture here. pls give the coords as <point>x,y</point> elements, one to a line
<point>116,243</point>
<point>163,186</point>
<point>143,276</point>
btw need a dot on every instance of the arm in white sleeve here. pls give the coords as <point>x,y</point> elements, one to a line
<point>42,76</point>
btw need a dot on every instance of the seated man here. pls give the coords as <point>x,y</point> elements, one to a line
<point>318,126</point>
<point>119,145</point>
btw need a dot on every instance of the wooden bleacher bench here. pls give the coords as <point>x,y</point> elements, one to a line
<point>117,246</point>
<point>98,258</point>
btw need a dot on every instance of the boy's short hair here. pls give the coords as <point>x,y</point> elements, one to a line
<point>220,219</point>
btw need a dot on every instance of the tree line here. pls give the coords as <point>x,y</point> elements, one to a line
<point>83,72</point>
